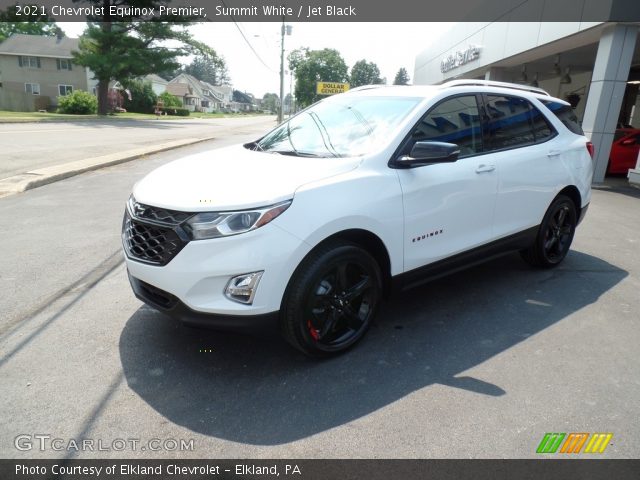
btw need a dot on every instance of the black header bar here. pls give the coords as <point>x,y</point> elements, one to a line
<point>337,10</point>
<point>547,469</point>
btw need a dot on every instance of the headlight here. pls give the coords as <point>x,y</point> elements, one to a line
<point>222,224</point>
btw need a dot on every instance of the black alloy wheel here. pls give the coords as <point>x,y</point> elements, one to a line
<point>332,299</point>
<point>555,234</point>
<point>559,234</point>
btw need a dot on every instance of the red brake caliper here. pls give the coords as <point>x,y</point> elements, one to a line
<point>314,333</point>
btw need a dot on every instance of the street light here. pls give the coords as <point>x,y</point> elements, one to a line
<point>287,29</point>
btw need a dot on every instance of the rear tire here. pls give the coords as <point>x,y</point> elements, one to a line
<point>331,299</point>
<point>554,236</point>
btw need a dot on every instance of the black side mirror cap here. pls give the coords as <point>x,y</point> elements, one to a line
<point>427,153</point>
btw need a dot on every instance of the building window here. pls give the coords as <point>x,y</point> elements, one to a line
<point>33,88</point>
<point>63,64</point>
<point>29,62</point>
<point>65,89</point>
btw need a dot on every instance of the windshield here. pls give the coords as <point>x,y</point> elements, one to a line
<point>340,127</point>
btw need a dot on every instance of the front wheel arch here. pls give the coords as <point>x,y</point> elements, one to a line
<point>303,301</point>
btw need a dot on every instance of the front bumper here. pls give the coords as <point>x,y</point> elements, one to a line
<point>198,274</point>
<point>173,307</point>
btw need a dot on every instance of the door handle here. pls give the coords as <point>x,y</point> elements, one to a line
<point>482,168</point>
<point>553,153</point>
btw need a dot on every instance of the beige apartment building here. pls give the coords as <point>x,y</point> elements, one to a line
<point>35,70</point>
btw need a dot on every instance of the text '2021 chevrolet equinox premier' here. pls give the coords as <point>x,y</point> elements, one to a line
<point>360,193</point>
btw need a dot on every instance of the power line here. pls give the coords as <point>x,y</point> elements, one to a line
<point>248,43</point>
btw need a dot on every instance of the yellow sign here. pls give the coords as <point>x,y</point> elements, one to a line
<point>331,88</point>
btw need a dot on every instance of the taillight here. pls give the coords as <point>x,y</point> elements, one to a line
<point>591,149</point>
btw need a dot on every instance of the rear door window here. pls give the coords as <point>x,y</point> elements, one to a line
<point>508,122</point>
<point>513,122</point>
<point>566,115</point>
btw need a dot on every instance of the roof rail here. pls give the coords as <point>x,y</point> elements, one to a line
<point>366,87</point>
<point>491,83</point>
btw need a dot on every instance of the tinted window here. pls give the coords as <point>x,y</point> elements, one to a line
<point>509,122</point>
<point>565,114</point>
<point>542,130</point>
<point>455,120</point>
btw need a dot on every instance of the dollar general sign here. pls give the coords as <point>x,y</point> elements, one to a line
<point>331,88</point>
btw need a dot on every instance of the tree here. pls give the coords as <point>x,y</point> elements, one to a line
<point>209,68</point>
<point>402,77</point>
<point>143,98</point>
<point>11,23</point>
<point>270,101</point>
<point>365,73</point>
<point>169,100</point>
<point>131,47</point>
<point>241,97</point>
<point>312,66</point>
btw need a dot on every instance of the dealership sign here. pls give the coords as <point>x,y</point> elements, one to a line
<point>456,59</point>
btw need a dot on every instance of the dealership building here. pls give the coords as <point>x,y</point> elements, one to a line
<point>593,65</point>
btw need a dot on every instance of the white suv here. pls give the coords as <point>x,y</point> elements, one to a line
<point>375,189</point>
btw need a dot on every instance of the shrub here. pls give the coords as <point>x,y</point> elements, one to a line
<point>180,112</point>
<point>169,100</point>
<point>143,98</point>
<point>115,100</point>
<point>78,102</point>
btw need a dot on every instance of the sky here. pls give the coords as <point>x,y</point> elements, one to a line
<point>389,45</point>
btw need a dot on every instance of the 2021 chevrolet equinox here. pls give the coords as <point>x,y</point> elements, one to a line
<point>362,192</point>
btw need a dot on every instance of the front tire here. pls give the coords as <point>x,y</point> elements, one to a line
<point>331,299</point>
<point>554,236</point>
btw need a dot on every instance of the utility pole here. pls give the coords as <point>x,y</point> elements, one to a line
<point>287,29</point>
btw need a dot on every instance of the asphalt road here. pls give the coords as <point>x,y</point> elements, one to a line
<point>28,146</point>
<point>477,365</point>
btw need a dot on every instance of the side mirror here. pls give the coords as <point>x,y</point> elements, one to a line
<point>427,153</point>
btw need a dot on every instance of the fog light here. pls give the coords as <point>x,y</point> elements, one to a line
<point>243,288</point>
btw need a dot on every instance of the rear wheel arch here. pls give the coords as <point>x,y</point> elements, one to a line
<point>555,233</point>
<point>573,193</point>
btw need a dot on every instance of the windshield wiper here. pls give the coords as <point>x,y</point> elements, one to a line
<point>296,153</point>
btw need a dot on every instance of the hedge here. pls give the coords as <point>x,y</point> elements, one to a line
<point>173,111</point>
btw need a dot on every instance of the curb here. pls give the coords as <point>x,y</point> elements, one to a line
<point>43,176</point>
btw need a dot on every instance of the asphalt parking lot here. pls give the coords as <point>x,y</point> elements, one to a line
<point>480,364</point>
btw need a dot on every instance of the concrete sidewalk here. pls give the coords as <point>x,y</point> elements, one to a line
<point>42,176</point>
<point>40,154</point>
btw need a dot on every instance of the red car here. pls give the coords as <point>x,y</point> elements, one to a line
<point>624,150</point>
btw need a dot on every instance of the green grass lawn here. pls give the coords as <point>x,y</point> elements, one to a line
<point>12,117</point>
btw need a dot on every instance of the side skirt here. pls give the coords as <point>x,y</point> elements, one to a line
<point>464,260</point>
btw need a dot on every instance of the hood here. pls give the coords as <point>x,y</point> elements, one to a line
<point>233,178</point>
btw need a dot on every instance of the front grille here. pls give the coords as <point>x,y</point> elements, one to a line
<point>161,215</point>
<point>150,243</point>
